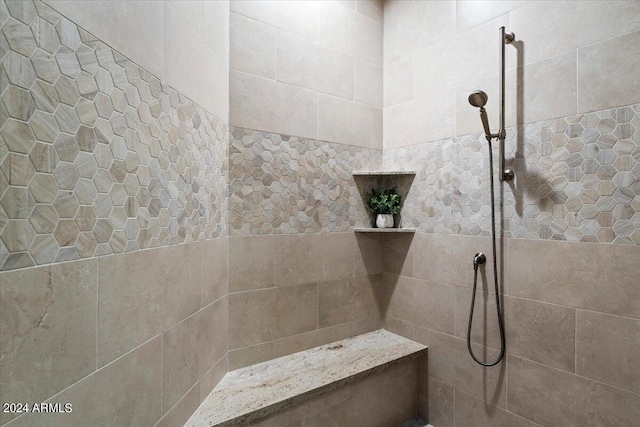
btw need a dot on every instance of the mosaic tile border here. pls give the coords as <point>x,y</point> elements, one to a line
<point>282,184</point>
<point>97,155</point>
<point>577,179</point>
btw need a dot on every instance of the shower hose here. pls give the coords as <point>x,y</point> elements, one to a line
<point>478,259</point>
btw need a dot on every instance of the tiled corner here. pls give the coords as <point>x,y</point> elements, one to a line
<point>125,161</point>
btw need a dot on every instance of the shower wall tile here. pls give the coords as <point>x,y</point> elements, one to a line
<point>606,73</point>
<point>368,83</point>
<point>439,401</point>
<point>215,270</point>
<point>48,330</point>
<point>608,349</point>
<point>259,103</point>
<point>264,315</point>
<point>399,82</point>
<point>118,161</point>
<point>348,122</point>
<point>251,355</point>
<point>346,300</point>
<point>588,284</point>
<point>192,347</point>
<point>306,64</point>
<point>307,340</point>
<point>126,392</point>
<point>476,412</point>
<point>423,303</point>
<point>166,280</point>
<point>470,13</point>
<point>372,9</point>
<point>549,396</point>
<point>281,184</point>
<point>252,262</point>
<point>180,413</point>
<point>254,47</point>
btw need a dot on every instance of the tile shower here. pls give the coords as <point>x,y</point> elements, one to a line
<point>177,201</point>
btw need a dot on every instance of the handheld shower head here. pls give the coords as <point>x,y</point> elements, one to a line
<point>478,98</point>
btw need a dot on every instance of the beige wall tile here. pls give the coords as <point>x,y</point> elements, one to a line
<point>472,411</point>
<point>300,18</point>
<point>472,13</point>
<point>312,339</point>
<point>368,83</point>
<point>371,9</point>
<point>306,258</point>
<point>485,321</point>
<point>215,270</point>
<point>398,254</point>
<point>346,300</point>
<point>593,266</point>
<point>198,72</point>
<point>368,254</point>
<point>257,103</point>
<point>368,324</point>
<point>265,315</point>
<point>433,255</point>
<point>348,122</point>
<point>182,411</point>
<point>133,28</point>
<point>251,262</point>
<point>191,11</point>
<point>549,396</point>
<point>420,302</point>
<point>398,82</point>
<point>488,384</point>
<point>215,26</point>
<point>420,120</point>
<point>393,9</point>
<point>606,73</point>
<point>166,279</point>
<point>191,348</point>
<point>349,32</point>
<point>542,98</point>
<point>398,326</point>
<point>125,392</point>
<point>251,355</point>
<point>442,349</point>
<point>608,349</point>
<point>541,332</point>
<point>440,403</point>
<point>306,64</point>
<point>47,330</point>
<point>253,47</point>
<point>213,377</point>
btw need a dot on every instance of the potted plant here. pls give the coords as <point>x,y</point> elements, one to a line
<point>384,203</point>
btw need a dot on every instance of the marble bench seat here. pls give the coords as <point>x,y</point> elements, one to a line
<point>264,389</point>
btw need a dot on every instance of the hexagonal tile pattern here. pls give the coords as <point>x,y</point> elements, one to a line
<point>84,156</point>
<point>577,179</point>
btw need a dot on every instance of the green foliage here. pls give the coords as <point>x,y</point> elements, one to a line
<point>384,201</point>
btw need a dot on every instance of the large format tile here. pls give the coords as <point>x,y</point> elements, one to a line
<point>606,73</point>
<point>423,303</point>
<point>300,18</point>
<point>470,411</point>
<point>251,262</point>
<point>265,315</point>
<point>127,392</point>
<point>307,340</point>
<point>191,348</point>
<point>181,411</point>
<point>306,258</point>
<point>608,349</point>
<point>485,329</point>
<point>598,277</point>
<point>253,47</point>
<point>349,299</point>
<point>144,293</point>
<point>471,13</point>
<point>442,350</point>
<point>398,82</point>
<point>257,103</point>
<point>368,83</point>
<point>349,122</point>
<point>215,270</point>
<point>204,77</point>
<point>251,355</point>
<point>133,28</point>
<point>47,330</point>
<point>551,397</point>
<point>306,64</point>
<point>440,404</point>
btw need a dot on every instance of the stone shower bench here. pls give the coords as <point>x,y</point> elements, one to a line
<point>264,389</point>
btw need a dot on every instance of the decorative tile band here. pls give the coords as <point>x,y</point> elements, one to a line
<point>282,184</point>
<point>577,179</point>
<point>97,155</point>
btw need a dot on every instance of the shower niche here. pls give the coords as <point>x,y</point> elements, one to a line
<point>367,180</point>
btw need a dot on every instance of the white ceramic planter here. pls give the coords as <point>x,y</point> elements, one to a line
<point>384,221</point>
